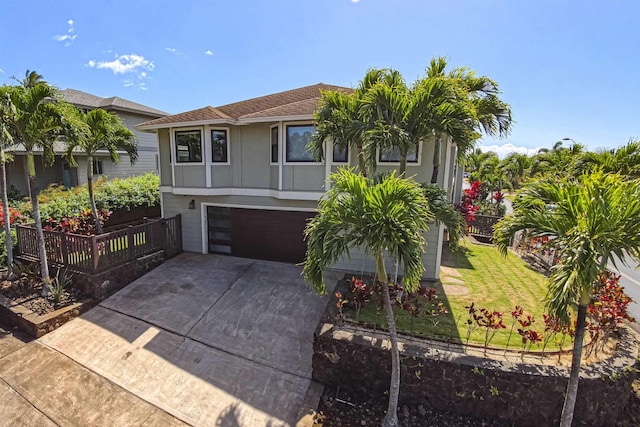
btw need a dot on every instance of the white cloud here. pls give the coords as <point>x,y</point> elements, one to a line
<point>503,150</point>
<point>1,71</point>
<point>127,83</point>
<point>355,1</point>
<point>68,38</point>
<point>208,53</point>
<point>124,64</point>
<point>170,49</point>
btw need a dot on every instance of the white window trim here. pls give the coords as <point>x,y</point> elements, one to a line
<point>418,161</point>
<point>210,146</point>
<point>203,136</point>
<point>279,145</point>
<point>348,162</point>
<point>284,143</point>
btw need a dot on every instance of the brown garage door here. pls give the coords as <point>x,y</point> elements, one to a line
<point>257,233</point>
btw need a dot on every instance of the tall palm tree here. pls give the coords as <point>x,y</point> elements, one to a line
<point>474,109</point>
<point>341,119</point>
<point>6,140</point>
<point>386,217</point>
<point>624,160</point>
<point>515,166</point>
<point>590,221</point>
<point>31,78</point>
<point>36,123</point>
<point>101,131</point>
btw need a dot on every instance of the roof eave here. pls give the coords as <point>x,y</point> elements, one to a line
<point>186,124</point>
<point>290,118</point>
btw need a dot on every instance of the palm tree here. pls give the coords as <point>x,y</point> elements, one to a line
<point>473,109</point>
<point>31,78</point>
<point>624,160</point>
<point>340,117</point>
<point>590,221</point>
<point>101,131</point>
<point>35,123</point>
<point>388,216</point>
<point>6,140</point>
<point>515,166</point>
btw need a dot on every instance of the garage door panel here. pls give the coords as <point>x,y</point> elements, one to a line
<point>267,234</point>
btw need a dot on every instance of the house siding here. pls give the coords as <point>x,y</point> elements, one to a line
<point>192,219</point>
<point>164,150</point>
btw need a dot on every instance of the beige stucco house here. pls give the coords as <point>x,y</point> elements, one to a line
<point>61,173</point>
<point>242,179</point>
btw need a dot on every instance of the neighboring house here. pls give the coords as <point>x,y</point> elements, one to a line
<point>61,173</point>
<point>245,184</point>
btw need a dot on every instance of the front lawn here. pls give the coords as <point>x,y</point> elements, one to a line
<point>479,275</point>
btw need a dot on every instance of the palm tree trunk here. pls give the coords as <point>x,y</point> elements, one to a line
<point>30,166</point>
<point>362,166</point>
<point>92,199</point>
<point>391,419</point>
<point>7,214</point>
<point>436,160</point>
<point>574,375</point>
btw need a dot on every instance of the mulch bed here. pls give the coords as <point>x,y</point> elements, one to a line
<point>26,290</point>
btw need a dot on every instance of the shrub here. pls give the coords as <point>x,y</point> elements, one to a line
<point>129,193</point>
<point>3,246</point>
<point>83,223</point>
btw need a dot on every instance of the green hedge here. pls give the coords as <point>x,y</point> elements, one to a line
<point>3,245</point>
<point>125,193</point>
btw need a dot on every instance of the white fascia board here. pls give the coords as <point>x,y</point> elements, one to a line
<point>255,192</point>
<point>186,124</point>
<point>272,119</point>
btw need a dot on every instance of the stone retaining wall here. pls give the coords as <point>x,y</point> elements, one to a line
<point>358,362</point>
<point>100,286</point>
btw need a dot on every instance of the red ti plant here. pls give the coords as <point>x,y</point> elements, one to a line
<point>529,336</point>
<point>360,293</point>
<point>468,207</point>
<point>84,223</point>
<point>554,327</point>
<point>492,322</point>
<point>608,309</point>
<point>341,303</point>
<point>473,320</point>
<point>515,316</point>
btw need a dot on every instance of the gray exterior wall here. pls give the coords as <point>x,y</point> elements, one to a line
<point>45,176</point>
<point>192,219</point>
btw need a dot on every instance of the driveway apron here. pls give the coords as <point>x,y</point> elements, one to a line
<point>211,340</point>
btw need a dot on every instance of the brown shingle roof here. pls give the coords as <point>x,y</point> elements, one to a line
<point>201,114</point>
<point>87,100</point>
<point>295,102</point>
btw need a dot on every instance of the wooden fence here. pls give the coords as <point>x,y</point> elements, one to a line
<point>483,226</point>
<point>94,254</point>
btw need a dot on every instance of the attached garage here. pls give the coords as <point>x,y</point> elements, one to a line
<point>274,235</point>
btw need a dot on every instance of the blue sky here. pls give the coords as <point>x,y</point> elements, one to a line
<point>568,68</point>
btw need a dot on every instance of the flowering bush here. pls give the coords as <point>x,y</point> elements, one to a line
<point>80,224</point>
<point>14,216</point>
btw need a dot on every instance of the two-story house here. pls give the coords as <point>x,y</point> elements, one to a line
<point>60,172</point>
<point>245,184</point>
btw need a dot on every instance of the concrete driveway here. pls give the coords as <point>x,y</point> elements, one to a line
<point>209,340</point>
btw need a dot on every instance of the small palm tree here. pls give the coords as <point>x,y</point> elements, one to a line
<point>96,131</point>
<point>6,141</point>
<point>589,221</point>
<point>35,122</point>
<point>386,217</point>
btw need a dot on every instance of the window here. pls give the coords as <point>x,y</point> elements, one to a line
<point>340,155</point>
<point>219,146</point>
<point>274,144</point>
<point>393,156</point>
<point>188,146</point>
<point>298,137</point>
<point>97,167</point>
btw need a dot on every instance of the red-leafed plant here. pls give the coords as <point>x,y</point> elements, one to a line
<point>360,294</point>
<point>81,224</point>
<point>492,322</point>
<point>608,309</point>
<point>14,216</point>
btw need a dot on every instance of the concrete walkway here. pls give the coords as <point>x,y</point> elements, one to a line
<point>205,340</point>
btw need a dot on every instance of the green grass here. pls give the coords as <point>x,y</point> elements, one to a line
<point>493,282</point>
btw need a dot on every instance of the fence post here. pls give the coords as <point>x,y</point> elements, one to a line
<point>95,254</point>
<point>65,250</point>
<point>130,242</point>
<point>179,232</point>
